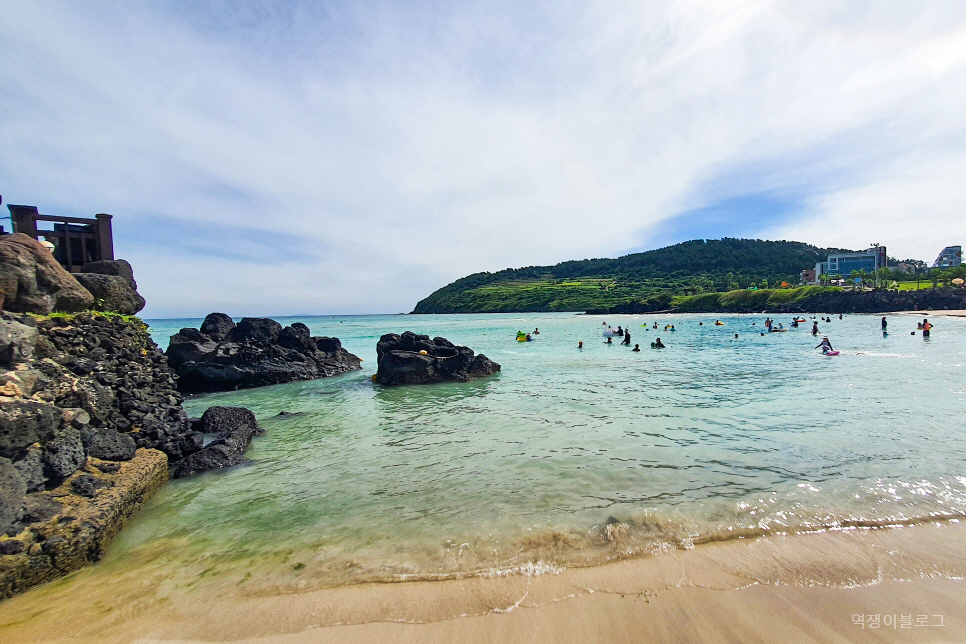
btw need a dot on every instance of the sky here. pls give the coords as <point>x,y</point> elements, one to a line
<point>285,158</point>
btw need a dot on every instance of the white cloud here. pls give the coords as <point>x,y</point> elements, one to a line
<point>398,147</point>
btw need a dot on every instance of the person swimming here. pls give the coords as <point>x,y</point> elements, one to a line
<point>657,344</point>
<point>609,341</point>
<point>825,345</point>
<point>637,347</point>
<point>536,331</point>
<point>794,323</point>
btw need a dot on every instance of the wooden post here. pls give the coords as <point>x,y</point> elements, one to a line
<point>24,219</point>
<point>105,237</point>
<point>70,254</point>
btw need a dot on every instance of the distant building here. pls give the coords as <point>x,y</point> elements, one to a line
<point>845,263</point>
<point>949,257</point>
<point>808,276</point>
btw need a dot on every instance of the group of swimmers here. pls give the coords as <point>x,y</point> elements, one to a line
<point>626,334</point>
<point>771,326</point>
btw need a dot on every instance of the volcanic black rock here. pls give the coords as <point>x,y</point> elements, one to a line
<point>409,359</point>
<point>236,427</point>
<point>255,352</point>
<point>217,326</point>
<point>110,445</point>
<point>112,293</point>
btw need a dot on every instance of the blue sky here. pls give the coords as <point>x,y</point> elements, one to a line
<point>341,157</point>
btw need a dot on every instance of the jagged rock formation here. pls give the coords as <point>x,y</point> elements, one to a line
<point>31,280</point>
<point>90,418</point>
<point>112,284</point>
<point>223,356</point>
<point>409,359</point>
<point>70,526</point>
<point>234,428</point>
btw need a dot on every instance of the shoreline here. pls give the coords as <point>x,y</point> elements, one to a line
<point>802,587</point>
<point>953,313</point>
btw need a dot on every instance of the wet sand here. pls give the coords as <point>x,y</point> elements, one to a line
<point>795,588</point>
<point>961,313</point>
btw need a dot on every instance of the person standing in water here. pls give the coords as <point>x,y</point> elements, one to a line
<point>814,328</point>
<point>580,344</point>
<point>885,324</point>
<point>609,341</point>
<point>637,347</point>
<point>627,338</point>
<point>925,328</point>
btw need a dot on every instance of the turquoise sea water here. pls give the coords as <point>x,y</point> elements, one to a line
<point>711,438</point>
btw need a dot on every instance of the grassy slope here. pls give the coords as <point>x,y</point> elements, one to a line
<point>603,283</point>
<point>758,300</point>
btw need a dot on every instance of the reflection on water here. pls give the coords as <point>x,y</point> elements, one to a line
<point>568,456</point>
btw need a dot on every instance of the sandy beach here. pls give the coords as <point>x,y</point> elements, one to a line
<point>802,588</point>
<point>961,313</point>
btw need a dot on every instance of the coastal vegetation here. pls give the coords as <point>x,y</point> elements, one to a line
<point>698,275</point>
<point>688,269</point>
<point>756,300</point>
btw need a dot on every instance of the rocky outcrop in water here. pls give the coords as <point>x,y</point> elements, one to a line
<point>223,356</point>
<point>233,427</point>
<point>410,359</point>
<point>69,526</point>
<point>90,418</point>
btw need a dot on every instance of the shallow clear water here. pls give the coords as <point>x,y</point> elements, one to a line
<point>711,438</point>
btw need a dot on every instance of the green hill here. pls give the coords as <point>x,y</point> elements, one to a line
<point>690,268</point>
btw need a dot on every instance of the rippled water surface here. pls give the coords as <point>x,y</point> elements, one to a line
<point>710,438</point>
